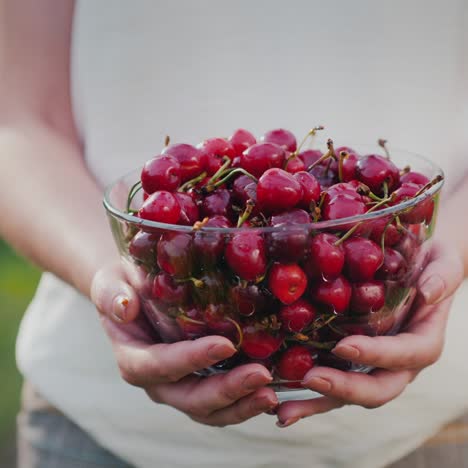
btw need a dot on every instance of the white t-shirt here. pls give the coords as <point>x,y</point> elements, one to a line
<point>142,70</point>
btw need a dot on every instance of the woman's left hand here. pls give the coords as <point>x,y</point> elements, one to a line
<point>397,359</point>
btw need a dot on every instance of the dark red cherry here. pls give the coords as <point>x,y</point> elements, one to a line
<point>335,293</point>
<point>191,324</point>
<point>325,259</point>
<point>245,254</point>
<point>414,178</point>
<point>349,165</point>
<point>240,140</point>
<point>296,316</point>
<point>175,254</point>
<point>161,173</point>
<point>341,206</point>
<point>310,157</point>
<point>214,149</point>
<point>394,266</point>
<point>210,289</point>
<point>143,247</point>
<point>294,165</point>
<point>190,159</point>
<point>217,203</point>
<point>420,213</point>
<point>294,364</point>
<point>381,225</point>
<point>310,189</point>
<point>281,137</point>
<point>262,156</point>
<point>367,297</point>
<point>243,189</point>
<point>168,291</point>
<point>248,300</point>
<point>374,170</point>
<point>217,317</point>
<point>325,177</point>
<point>278,191</point>
<point>258,343</point>
<point>189,213</point>
<point>287,282</point>
<point>209,245</point>
<point>363,258</point>
<point>161,207</point>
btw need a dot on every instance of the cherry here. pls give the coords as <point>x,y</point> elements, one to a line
<point>143,247</point>
<point>310,189</point>
<point>294,364</point>
<point>326,259</point>
<point>190,159</point>
<point>296,316</point>
<point>245,254</point>
<point>363,258</point>
<point>394,266</point>
<point>281,137</point>
<point>210,288</point>
<point>277,191</point>
<point>191,324</point>
<point>209,245</point>
<point>287,282</point>
<point>169,291</point>
<point>310,157</point>
<point>414,178</point>
<point>294,165</point>
<point>325,176</point>
<point>262,156</point>
<point>248,300</point>
<point>217,203</point>
<point>161,207</point>
<point>343,205</point>
<point>161,173</point>
<point>420,213</point>
<point>374,170</point>
<point>379,226</point>
<point>216,316</point>
<point>189,213</point>
<point>335,293</point>
<point>349,188</point>
<point>259,343</point>
<point>367,297</point>
<point>175,254</point>
<point>349,164</point>
<point>239,189</point>
<point>241,140</point>
<point>214,149</point>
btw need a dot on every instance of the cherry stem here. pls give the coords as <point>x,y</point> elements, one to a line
<point>230,172</point>
<point>310,133</point>
<point>383,144</point>
<point>245,215</point>
<point>167,140</point>
<point>199,224</point>
<point>239,330</point>
<point>304,339</point>
<point>192,182</point>
<point>382,240</point>
<point>385,189</point>
<point>329,154</point>
<point>405,170</point>
<point>341,159</point>
<point>220,171</point>
<point>131,194</point>
<point>196,282</point>
<point>191,320</point>
<point>430,184</point>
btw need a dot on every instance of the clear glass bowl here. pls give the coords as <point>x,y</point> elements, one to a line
<point>188,290</point>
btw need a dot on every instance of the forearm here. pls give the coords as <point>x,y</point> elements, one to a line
<point>50,204</point>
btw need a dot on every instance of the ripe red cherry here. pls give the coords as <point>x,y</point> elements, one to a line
<point>367,297</point>
<point>245,254</point>
<point>277,191</point>
<point>169,291</point>
<point>296,316</point>
<point>294,364</point>
<point>240,140</point>
<point>422,212</point>
<point>310,189</point>
<point>294,165</point>
<point>175,254</point>
<point>374,170</point>
<point>239,189</point>
<point>191,324</point>
<point>161,173</point>
<point>310,157</point>
<point>214,149</point>
<point>377,228</point>
<point>262,156</point>
<point>248,300</point>
<point>349,188</point>
<point>161,207</point>
<point>341,206</point>
<point>414,178</point>
<point>335,293</point>
<point>209,245</point>
<point>143,247</point>
<point>217,203</point>
<point>363,258</point>
<point>281,137</point>
<point>189,213</point>
<point>325,260</point>
<point>190,159</point>
<point>258,343</point>
<point>394,266</point>
<point>287,282</point>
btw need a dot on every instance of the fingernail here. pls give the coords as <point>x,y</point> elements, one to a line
<point>255,380</point>
<point>220,351</point>
<point>346,351</point>
<point>119,308</point>
<point>319,384</point>
<point>273,411</point>
<point>263,404</point>
<point>288,422</point>
<point>433,289</point>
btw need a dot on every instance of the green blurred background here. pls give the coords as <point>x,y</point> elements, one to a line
<point>18,281</point>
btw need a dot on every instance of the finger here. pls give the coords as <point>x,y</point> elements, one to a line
<point>259,402</point>
<point>143,365</point>
<point>442,276</point>
<point>202,397</point>
<point>420,346</point>
<point>292,411</point>
<point>367,390</point>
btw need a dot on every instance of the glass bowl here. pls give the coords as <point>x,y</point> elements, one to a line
<point>188,288</point>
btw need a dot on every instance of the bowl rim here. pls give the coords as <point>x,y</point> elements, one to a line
<point>316,226</point>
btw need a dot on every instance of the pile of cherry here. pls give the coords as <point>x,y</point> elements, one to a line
<point>282,288</point>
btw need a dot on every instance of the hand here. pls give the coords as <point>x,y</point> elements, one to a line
<point>397,359</point>
<point>165,371</point>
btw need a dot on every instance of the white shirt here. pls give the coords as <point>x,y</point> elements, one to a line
<point>142,70</point>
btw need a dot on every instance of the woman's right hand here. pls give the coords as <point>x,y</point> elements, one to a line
<point>165,371</point>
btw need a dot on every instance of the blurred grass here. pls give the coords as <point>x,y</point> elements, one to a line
<point>18,280</point>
